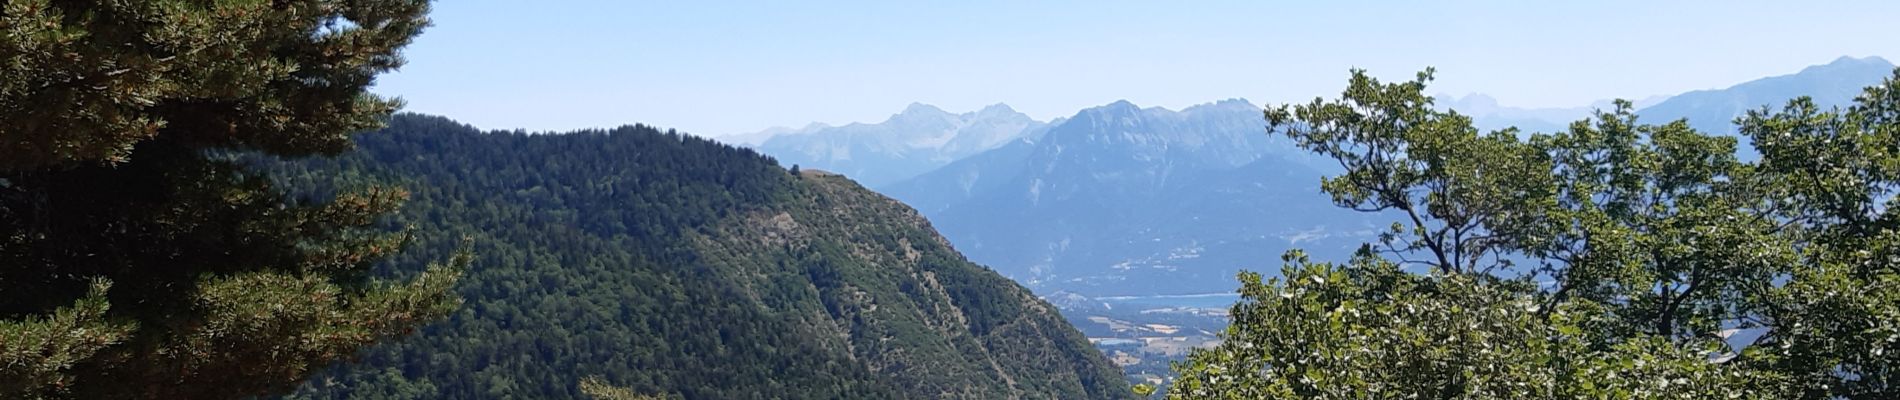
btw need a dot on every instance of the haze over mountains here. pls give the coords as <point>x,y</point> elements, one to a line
<point>1121,199</point>
<point>1831,85</point>
<point>1124,200</point>
<point>919,139</point>
<point>1834,84</point>
<point>1487,114</point>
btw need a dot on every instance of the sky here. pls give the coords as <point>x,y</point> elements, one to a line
<point>719,68</point>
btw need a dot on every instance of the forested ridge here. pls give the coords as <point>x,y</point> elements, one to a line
<point>680,267</point>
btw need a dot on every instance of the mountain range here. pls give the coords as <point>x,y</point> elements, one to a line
<point>1487,114</point>
<point>1124,200</point>
<point>1713,110</point>
<point>917,140</point>
<point>1834,84</point>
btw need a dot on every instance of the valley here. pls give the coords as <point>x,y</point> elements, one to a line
<point>1134,221</point>
<point>1145,335</point>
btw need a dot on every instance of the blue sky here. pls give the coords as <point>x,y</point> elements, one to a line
<point>719,67</point>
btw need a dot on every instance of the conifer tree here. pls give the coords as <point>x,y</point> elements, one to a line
<point>138,257</point>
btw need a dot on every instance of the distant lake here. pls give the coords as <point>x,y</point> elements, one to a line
<point>1203,300</point>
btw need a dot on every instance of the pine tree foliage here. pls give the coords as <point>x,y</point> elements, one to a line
<point>87,80</point>
<point>138,257</point>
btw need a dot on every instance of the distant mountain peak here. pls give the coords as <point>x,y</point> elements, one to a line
<point>1469,100</point>
<point>1120,110</point>
<point>1119,107</point>
<point>1834,84</point>
<point>996,108</point>
<point>999,112</point>
<point>919,138</point>
<point>1849,62</point>
<point>922,109</point>
<point>1234,101</point>
<point>1875,60</point>
<point>1231,103</point>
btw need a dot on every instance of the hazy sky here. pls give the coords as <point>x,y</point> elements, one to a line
<point>718,68</point>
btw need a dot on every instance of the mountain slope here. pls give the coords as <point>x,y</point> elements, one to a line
<point>919,139</point>
<point>958,181</point>
<point>674,265</point>
<point>1120,200</point>
<point>1124,200</point>
<point>1832,84</point>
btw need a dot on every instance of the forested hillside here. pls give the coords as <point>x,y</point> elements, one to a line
<point>681,267</point>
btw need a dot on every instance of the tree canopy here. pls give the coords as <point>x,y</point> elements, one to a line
<point>1617,259</point>
<point>675,266</point>
<point>138,257</point>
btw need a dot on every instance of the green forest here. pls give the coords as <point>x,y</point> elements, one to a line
<point>678,266</point>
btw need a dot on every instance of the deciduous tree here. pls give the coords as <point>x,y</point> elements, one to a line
<point>1616,259</point>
